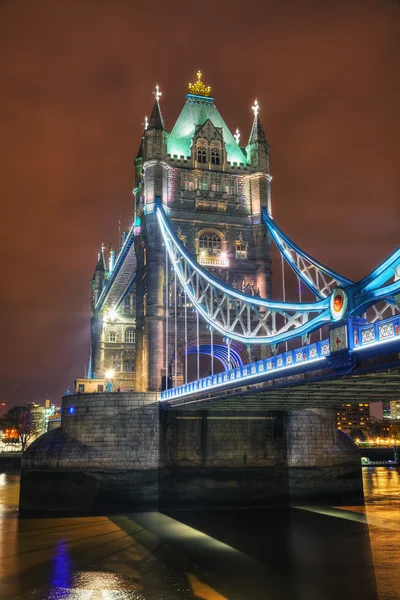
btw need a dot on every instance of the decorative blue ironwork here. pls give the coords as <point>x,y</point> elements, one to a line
<point>122,276</point>
<point>379,336</point>
<point>321,280</point>
<point>254,320</point>
<point>238,316</point>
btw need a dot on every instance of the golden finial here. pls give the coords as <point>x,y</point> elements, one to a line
<point>198,88</point>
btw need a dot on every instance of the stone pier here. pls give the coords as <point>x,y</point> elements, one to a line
<point>123,451</point>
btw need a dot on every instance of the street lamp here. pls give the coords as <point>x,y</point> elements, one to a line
<point>109,374</point>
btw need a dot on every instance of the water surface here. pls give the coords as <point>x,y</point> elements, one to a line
<point>306,553</point>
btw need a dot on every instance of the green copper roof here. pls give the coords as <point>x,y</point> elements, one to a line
<point>196,111</point>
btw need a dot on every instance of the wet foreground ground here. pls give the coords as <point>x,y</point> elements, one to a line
<point>307,553</point>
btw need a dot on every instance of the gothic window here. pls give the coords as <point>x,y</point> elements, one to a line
<point>112,336</point>
<point>128,366</point>
<point>202,183</point>
<point>202,154</point>
<point>210,242</point>
<point>215,156</point>
<point>188,182</point>
<point>230,187</point>
<point>216,184</point>
<point>130,336</point>
<point>127,304</point>
<point>241,250</point>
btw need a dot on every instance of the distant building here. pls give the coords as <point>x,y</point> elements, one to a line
<point>38,417</point>
<point>394,410</point>
<point>54,421</point>
<point>386,410</point>
<point>353,416</point>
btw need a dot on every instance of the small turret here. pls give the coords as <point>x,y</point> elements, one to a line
<point>258,147</point>
<point>99,275</point>
<point>155,134</point>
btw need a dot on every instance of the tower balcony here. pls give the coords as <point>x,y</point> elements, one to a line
<point>210,260</point>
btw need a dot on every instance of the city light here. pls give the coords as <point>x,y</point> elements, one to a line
<point>109,374</point>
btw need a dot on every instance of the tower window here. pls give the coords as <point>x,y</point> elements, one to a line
<point>188,182</point>
<point>241,250</point>
<point>129,336</point>
<point>211,242</point>
<point>216,184</point>
<point>202,154</point>
<point>112,336</point>
<point>215,156</point>
<point>230,187</point>
<point>202,183</point>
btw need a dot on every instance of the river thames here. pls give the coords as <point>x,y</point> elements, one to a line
<point>306,553</point>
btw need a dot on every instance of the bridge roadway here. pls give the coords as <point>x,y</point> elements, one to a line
<point>313,376</point>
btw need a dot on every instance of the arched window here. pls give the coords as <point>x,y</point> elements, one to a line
<point>201,154</point>
<point>241,249</point>
<point>215,156</point>
<point>211,242</point>
<point>112,336</point>
<point>129,335</point>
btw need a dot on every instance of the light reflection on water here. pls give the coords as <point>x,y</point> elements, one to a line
<point>307,554</point>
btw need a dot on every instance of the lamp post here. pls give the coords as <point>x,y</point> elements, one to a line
<point>109,374</point>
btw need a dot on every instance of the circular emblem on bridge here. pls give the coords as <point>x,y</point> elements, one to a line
<point>338,304</point>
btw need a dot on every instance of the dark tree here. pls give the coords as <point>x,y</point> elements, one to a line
<point>26,423</point>
<point>357,433</point>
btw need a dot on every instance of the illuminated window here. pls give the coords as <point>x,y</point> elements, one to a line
<point>230,187</point>
<point>211,242</point>
<point>215,156</point>
<point>216,184</point>
<point>129,335</point>
<point>241,250</point>
<point>202,154</point>
<point>112,336</point>
<point>128,304</point>
<point>188,182</point>
<point>202,183</point>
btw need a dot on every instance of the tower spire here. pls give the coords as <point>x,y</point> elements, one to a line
<point>101,263</point>
<point>156,121</point>
<point>257,134</point>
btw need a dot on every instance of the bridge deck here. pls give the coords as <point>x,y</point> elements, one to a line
<point>352,389</point>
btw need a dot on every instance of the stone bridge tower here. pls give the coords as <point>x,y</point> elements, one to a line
<point>213,189</point>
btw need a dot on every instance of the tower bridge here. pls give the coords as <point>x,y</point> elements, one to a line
<point>226,392</point>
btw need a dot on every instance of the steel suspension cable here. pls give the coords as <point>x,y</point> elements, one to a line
<point>284,289</point>
<point>198,345</point>
<point>176,331</point>
<point>212,350</point>
<point>166,316</point>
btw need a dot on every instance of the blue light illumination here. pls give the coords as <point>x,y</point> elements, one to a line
<point>279,236</point>
<point>383,334</point>
<point>71,410</point>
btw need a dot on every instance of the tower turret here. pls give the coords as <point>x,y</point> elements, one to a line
<point>258,147</point>
<point>99,275</point>
<point>155,134</point>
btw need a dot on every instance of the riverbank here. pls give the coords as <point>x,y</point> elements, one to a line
<point>10,462</point>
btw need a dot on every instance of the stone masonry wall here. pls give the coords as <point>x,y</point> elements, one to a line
<point>322,461</point>
<point>104,456</point>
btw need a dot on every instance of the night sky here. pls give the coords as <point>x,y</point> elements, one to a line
<point>76,82</point>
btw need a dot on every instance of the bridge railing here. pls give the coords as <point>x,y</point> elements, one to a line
<point>290,360</point>
<point>361,336</point>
